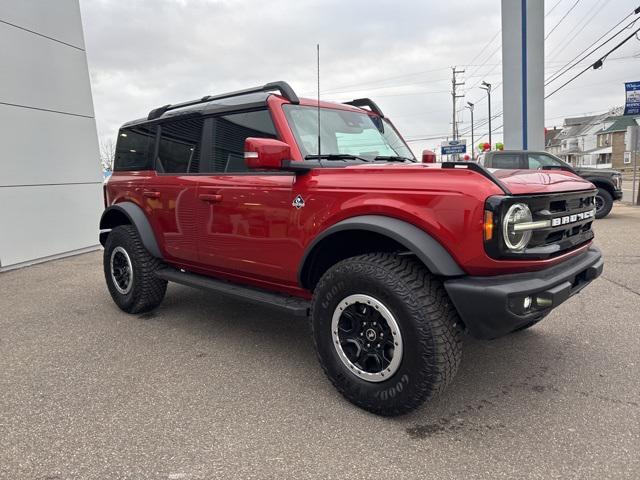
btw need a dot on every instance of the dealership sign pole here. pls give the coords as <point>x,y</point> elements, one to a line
<point>632,107</point>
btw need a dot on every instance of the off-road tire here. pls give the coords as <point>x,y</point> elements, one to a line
<point>429,325</point>
<point>147,291</point>
<point>607,201</point>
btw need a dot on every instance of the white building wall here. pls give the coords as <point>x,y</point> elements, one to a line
<point>50,181</point>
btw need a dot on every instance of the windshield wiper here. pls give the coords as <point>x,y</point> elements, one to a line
<point>392,158</point>
<point>335,156</point>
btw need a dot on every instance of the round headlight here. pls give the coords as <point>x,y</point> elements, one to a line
<point>517,213</point>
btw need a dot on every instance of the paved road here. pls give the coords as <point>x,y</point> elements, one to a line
<point>209,388</point>
<point>627,190</point>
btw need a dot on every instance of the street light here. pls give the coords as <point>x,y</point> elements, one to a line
<point>470,107</point>
<point>487,86</point>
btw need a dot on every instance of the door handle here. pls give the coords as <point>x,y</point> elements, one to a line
<point>150,194</point>
<point>210,197</point>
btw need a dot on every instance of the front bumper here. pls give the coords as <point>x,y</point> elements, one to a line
<point>617,194</point>
<point>494,306</point>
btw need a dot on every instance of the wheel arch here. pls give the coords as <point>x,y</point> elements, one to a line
<point>603,183</point>
<point>128,213</point>
<point>380,233</point>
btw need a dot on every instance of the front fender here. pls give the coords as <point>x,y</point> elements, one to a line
<point>420,243</point>
<point>113,215</point>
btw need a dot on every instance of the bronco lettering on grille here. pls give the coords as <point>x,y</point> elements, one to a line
<point>567,219</point>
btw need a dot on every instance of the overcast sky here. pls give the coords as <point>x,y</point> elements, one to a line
<point>147,53</point>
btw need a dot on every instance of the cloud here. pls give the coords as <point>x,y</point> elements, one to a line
<point>143,54</point>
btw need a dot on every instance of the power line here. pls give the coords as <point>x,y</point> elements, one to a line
<point>562,19</point>
<point>571,36</point>
<point>382,80</point>
<point>553,8</point>
<point>597,64</point>
<point>582,56</point>
<point>486,46</point>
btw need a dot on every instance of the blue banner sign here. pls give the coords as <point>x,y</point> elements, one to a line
<point>453,146</point>
<point>632,104</point>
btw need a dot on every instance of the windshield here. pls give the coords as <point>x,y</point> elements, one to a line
<point>344,133</point>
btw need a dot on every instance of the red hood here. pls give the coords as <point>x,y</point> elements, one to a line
<point>521,182</point>
<point>518,182</point>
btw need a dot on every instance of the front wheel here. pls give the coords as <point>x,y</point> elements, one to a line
<point>129,270</point>
<point>604,203</point>
<point>385,332</point>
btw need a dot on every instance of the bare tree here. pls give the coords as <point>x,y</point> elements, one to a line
<point>107,153</point>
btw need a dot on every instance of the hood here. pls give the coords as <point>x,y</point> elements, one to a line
<point>521,182</point>
<point>605,172</point>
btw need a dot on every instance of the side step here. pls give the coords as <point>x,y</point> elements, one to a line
<point>293,305</point>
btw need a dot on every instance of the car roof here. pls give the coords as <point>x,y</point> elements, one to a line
<point>245,101</point>
<point>518,151</point>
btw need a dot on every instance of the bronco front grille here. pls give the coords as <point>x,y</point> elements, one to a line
<point>570,217</point>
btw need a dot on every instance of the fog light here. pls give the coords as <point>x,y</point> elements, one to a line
<point>527,303</point>
<point>543,302</point>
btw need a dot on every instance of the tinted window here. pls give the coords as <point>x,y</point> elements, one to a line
<point>229,134</point>
<point>506,161</point>
<point>539,160</point>
<point>179,148</point>
<point>134,149</point>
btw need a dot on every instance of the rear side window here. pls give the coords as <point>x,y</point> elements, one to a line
<point>134,149</point>
<point>179,148</point>
<point>539,160</point>
<point>507,161</point>
<point>228,135</point>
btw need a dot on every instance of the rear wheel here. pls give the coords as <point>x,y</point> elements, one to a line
<point>385,332</point>
<point>129,270</point>
<point>604,203</point>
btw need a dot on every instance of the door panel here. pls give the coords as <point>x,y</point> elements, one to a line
<point>173,204</point>
<point>245,228</point>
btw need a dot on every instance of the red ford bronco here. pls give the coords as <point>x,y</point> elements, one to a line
<point>322,210</point>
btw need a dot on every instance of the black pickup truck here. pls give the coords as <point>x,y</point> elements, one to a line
<point>608,182</point>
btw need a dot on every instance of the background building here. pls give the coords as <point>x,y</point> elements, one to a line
<point>50,182</point>
<point>594,141</point>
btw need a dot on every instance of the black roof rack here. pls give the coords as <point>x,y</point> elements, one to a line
<point>366,102</point>
<point>480,169</point>
<point>283,87</point>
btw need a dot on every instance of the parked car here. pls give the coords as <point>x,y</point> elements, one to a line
<point>607,181</point>
<point>393,260</point>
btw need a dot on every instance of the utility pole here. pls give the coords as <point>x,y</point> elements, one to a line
<point>487,86</point>
<point>473,141</point>
<point>454,96</point>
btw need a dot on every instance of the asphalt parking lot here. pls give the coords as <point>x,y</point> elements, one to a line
<point>206,387</point>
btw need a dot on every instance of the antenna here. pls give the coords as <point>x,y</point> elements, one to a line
<point>318,57</point>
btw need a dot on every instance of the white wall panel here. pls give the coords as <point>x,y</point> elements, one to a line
<point>59,19</point>
<point>38,72</point>
<point>41,221</point>
<point>50,182</point>
<point>45,147</point>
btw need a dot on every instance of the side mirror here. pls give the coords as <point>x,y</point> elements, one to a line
<point>428,156</point>
<point>265,153</point>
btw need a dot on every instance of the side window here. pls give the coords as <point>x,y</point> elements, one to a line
<point>229,133</point>
<point>508,161</point>
<point>134,149</point>
<point>179,148</point>
<point>539,160</point>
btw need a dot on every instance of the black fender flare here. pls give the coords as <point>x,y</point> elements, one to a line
<point>137,218</point>
<point>428,250</point>
<point>605,183</point>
